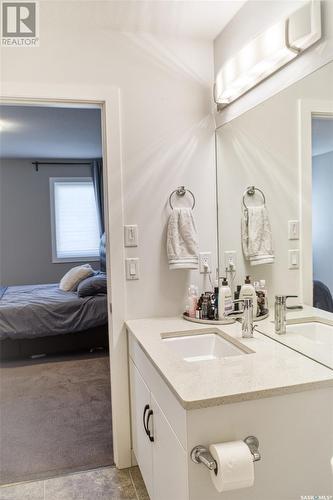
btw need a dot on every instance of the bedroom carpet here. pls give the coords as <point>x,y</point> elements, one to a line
<point>55,417</point>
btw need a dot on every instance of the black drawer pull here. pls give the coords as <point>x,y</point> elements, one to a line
<point>146,408</point>
<point>150,414</point>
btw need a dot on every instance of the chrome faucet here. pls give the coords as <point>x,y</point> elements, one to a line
<point>280,313</point>
<point>247,317</point>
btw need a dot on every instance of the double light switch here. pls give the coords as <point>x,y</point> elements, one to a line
<point>131,237</point>
<point>293,254</point>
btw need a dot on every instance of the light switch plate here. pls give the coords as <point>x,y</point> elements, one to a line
<point>132,269</point>
<point>131,235</point>
<point>293,229</point>
<point>293,259</point>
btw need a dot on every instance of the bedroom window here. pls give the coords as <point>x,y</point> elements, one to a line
<point>74,222</point>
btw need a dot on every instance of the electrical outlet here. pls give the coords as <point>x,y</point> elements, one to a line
<point>230,260</point>
<point>205,259</point>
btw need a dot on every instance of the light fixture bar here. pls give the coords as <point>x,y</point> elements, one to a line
<point>267,53</point>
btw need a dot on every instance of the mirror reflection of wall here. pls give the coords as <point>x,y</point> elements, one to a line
<point>261,148</point>
<point>322,221</point>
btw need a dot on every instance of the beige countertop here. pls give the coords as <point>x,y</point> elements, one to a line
<point>271,369</point>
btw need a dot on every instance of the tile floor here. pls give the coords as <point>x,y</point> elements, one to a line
<point>107,483</point>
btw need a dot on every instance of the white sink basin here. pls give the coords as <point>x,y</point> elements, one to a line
<point>313,338</point>
<point>318,333</point>
<point>202,347</point>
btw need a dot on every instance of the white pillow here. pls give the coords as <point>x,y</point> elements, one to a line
<point>71,279</point>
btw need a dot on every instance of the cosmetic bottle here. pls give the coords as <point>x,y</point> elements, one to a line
<point>262,298</point>
<point>216,300</point>
<point>247,291</point>
<point>204,306</point>
<point>211,306</point>
<point>225,306</point>
<point>198,312</point>
<point>263,289</point>
<point>192,301</point>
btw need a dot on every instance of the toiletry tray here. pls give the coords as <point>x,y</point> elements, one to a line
<point>227,321</point>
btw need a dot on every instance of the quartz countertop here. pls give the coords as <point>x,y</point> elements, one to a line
<point>271,369</point>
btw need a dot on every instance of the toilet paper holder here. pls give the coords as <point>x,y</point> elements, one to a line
<point>201,455</point>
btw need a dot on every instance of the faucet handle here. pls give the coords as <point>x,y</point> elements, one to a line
<point>282,299</point>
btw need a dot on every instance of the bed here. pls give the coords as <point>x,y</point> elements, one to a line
<point>42,319</point>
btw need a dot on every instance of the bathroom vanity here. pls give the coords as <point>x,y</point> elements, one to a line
<point>194,385</point>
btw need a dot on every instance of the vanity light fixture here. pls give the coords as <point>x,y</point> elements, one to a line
<point>270,51</point>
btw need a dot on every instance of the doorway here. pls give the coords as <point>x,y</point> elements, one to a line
<point>322,222</point>
<point>55,389</point>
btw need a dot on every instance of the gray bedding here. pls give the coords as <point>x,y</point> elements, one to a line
<point>40,310</point>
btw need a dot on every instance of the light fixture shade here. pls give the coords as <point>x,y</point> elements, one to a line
<point>305,25</point>
<point>268,52</point>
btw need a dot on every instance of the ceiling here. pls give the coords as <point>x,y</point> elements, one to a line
<point>202,19</point>
<point>322,135</point>
<point>39,132</point>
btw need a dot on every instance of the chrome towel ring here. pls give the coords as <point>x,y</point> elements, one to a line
<point>250,191</point>
<point>181,191</point>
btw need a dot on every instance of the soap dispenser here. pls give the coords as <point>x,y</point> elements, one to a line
<point>225,303</point>
<point>248,292</point>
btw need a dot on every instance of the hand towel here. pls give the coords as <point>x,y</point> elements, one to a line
<point>182,240</point>
<point>257,236</point>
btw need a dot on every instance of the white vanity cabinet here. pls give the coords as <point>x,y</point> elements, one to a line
<point>142,447</point>
<point>158,451</point>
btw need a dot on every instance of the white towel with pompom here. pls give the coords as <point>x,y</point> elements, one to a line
<point>182,240</point>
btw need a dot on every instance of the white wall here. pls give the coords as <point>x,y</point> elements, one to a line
<point>167,128</point>
<point>261,148</point>
<point>322,222</point>
<point>167,140</point>
<point>25,222</point>
<point>251,20</point>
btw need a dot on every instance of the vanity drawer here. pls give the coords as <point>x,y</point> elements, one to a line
<point>167,401</point>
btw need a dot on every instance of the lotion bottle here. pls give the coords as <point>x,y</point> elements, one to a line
<point>225,303</point>
<point>248,291</point>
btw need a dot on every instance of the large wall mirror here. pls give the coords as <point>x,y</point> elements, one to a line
<point>284,148</point>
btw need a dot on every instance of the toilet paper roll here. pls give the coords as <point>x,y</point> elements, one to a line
<point>235,467</point>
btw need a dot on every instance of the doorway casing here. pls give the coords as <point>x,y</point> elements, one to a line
<point>307,109</point>
<point>108,100</point>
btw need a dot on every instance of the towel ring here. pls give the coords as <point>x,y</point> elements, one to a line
<point>181,191</point>
<point>250,191</point>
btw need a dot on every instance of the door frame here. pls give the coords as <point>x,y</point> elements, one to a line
<point>108,99</point>
<point>307,109</point>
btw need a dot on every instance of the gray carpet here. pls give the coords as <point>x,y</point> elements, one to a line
<point>55,417</point>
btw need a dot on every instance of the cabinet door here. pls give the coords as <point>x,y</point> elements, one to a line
<point>142,446</point>
<point>169,459</point>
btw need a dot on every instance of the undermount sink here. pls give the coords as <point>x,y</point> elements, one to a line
<point>315,332</point>
<point>202,347</point>
<point>312,338</point>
